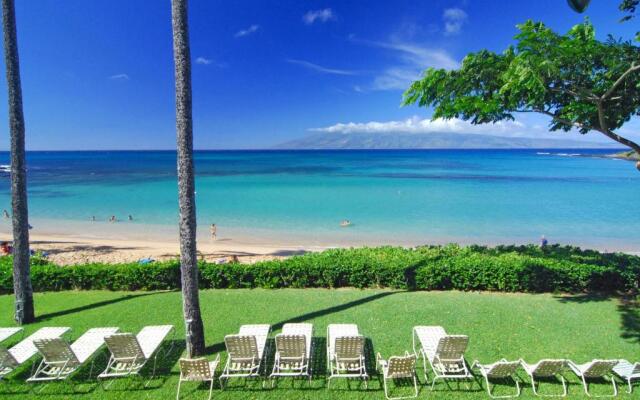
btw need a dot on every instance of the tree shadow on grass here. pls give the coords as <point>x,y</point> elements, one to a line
<point>628,308</point>
<point>45,317</point>
<point>217,347</point>
<point>629,311</point>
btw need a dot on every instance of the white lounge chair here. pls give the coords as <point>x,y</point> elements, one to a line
<point>502,369</point>
<point>345,352</point>
<point>197,370</point>
<point>546,369</point>
<point>20,353</point>
<point>593,370</point>
<point>398,367</point>
<point>6,333</point>
<point>60,360</point>
<point>445,353</point>
<point>293,351</point>
<point>628,372</point>
<point>246,351</point>
<point>130,353</point>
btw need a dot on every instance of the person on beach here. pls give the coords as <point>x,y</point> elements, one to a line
<point>93,218</point>
<point>5,249</point>
<point>543,241</point>
<point>112,218</point>
<point>5,213</point>
<point>214,230</point>
<point>130,217</point>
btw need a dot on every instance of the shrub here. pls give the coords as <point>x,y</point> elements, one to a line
<point>501,268</point>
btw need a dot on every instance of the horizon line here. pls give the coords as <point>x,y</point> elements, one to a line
<point>605,147</point>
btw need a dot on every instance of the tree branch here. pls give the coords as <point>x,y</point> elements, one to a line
<point>603,126</point>
<point>634,67</point>
<point>604,129</point>
<point>588,94</point>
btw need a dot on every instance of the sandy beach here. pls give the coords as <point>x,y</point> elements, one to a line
<point>69,242</point>
<point>66,250</point>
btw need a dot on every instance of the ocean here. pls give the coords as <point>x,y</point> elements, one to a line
<point>394,196</point>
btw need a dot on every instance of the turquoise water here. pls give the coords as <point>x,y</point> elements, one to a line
<point>425,195</point>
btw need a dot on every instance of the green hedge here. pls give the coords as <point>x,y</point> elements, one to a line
<point>502,268</point>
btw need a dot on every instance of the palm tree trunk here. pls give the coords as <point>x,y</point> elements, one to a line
<point>21,271</point>
<point>186,181</point>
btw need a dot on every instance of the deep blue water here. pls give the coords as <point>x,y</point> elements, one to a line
<point>484,194</point>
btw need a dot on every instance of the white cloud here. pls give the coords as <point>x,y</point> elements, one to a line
<point>119,77</point>
<point>245,32</point>
<point>454,19</point>
<point>318,15</point>
<point>320,68</point>
<point>413,60</point>
<point>203,61</point>
<point>419,125</point>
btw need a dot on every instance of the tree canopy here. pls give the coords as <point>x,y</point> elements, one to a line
<point>575,79</point>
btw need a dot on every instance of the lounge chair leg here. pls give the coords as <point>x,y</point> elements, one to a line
<point>424,368</point>
<point>210,389</point>
<point>433,384</point>
<point>586,388</point>
<point>178,394</point>
<point>630,389</point>
<point>564,388</point>
<point>502,397</point>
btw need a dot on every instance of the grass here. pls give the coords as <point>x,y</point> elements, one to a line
<point>499,325</point>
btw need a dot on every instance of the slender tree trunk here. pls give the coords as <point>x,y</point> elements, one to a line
<point>186,180</point>
<point>21,271</point>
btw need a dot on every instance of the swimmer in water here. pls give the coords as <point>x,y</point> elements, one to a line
<point>130,217</point>
<point>344,223</point>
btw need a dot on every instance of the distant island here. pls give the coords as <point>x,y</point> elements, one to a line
<point>626,155</point>
<point>321,141</point>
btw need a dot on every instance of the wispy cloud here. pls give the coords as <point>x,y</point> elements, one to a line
<point>119,77</point>
<point>454,19</point>
<point>203,61</point>
<point>319,68</point>
<point>318,15</point>
<point>246,32</point>
<point>412,60</point>
<point>419,125</point>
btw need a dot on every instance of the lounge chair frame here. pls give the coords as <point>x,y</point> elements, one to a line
<point>595,369</point>
<point>61,360</point>
<point>546,368</point>
<point>6,333</point>
<point>499,370</point>
<point>398,367</point>
<point>127,356</point>
<point>345,353</point>
<point>294,349</point>
<point>24,350</point>
<point>627,372</point>
<point>198,370</point>
<point>443,352</point>
<point>246,351</point>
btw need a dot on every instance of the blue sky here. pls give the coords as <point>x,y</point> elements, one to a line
<point>99,74</point>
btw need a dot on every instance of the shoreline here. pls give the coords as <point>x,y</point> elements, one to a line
<point>75,242</point>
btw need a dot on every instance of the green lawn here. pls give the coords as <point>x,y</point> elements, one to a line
<point>499,325</point>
